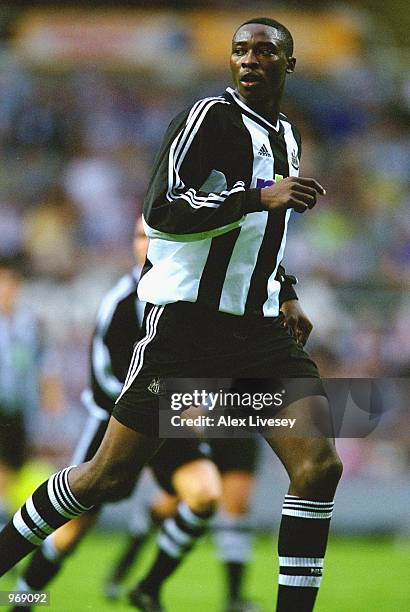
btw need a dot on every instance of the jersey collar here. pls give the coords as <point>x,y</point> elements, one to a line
<point>238,101</point>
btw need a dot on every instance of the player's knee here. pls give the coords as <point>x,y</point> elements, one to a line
<point>203,498</point>
<point>318,477</point>
<point>112,482</point>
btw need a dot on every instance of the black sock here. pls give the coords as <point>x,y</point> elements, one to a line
<point>51,505</point>
<point>124,563</point>
<point>302,544</point>
<point>44,565</point>
<point>176,538</point>
<point>235,572</point>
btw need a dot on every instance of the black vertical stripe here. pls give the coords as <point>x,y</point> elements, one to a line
<point>213,276</point>
<point>265,263</point>
<point>269,249</point>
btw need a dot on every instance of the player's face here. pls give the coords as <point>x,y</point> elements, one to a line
<point>140,243</point>
<point>9,288</point>
<point>259,62</point>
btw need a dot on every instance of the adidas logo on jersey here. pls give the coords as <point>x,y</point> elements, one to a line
<point>264,151</point>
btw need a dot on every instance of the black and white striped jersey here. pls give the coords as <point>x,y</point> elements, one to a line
<point>210,240</point>
<point>117,327</point>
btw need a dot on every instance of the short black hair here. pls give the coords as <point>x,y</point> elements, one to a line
<point>286,35</point>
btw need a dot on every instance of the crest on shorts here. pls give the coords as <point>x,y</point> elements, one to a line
<point>156,386</point>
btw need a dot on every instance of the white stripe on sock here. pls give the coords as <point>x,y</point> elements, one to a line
<point>24,530</point>
<point>168,546</point>
<point>306,513</point>
<point>300,581</point>
<point>172,529</point>
<point>301,561</point>
<point>36,518</point>
<point>190,517</point>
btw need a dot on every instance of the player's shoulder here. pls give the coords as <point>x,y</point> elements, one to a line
<point>209,108</point>
<point>122,290</point>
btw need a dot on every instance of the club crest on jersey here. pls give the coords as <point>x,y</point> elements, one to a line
<point>156,386</point>
<point>294,160</point>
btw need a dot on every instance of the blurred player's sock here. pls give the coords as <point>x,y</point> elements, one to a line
<point>132,549</point>
<point>302,544</point>
<point>176,538</point>
<point>44,565</point>
<point>233,538</point>
<point>51,505</point>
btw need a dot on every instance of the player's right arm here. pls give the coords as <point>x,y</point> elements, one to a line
<point>189,197</point>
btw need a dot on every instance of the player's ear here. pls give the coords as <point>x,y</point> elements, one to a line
<point>291,65</point>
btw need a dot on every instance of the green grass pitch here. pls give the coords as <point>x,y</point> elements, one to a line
<point>362,575</point>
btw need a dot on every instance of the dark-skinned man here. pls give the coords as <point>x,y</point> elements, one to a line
<point>216,211</point>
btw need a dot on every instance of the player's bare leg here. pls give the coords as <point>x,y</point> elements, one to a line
<point>197,485</point>
<point>314,470</point>
<point>69,493</point>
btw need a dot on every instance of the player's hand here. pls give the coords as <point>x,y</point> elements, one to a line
<point>292,192</point>
<point>296,321</point>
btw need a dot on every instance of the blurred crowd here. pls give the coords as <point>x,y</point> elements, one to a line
<point>76,150</point>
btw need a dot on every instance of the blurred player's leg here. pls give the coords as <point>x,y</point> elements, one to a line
<point>234,538</point>
<point>152,507</point>
<point>236,459</point>
<point>314,470</point>
<point>197,484</point>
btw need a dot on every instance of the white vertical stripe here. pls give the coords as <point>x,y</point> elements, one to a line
<point>272,303</point>
<point>245,252</point>
<point>142,345</point>
<point>300,581</point>
<point>137,348</point>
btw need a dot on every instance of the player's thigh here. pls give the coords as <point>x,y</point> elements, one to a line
<point>237,489</point>
<point>197,483</point>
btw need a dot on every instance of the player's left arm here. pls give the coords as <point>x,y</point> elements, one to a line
<point>295,319</point>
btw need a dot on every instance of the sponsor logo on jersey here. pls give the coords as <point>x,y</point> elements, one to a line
<point>316,571</point>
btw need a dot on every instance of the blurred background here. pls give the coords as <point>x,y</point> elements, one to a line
<point>86,94</point>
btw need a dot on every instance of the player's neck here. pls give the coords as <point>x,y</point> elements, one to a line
<point>268,109</point>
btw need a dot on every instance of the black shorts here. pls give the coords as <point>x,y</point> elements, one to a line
<point>172,454</point>
<point>13,440</point>
<point>235,454</point>
<point>182,340</point>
